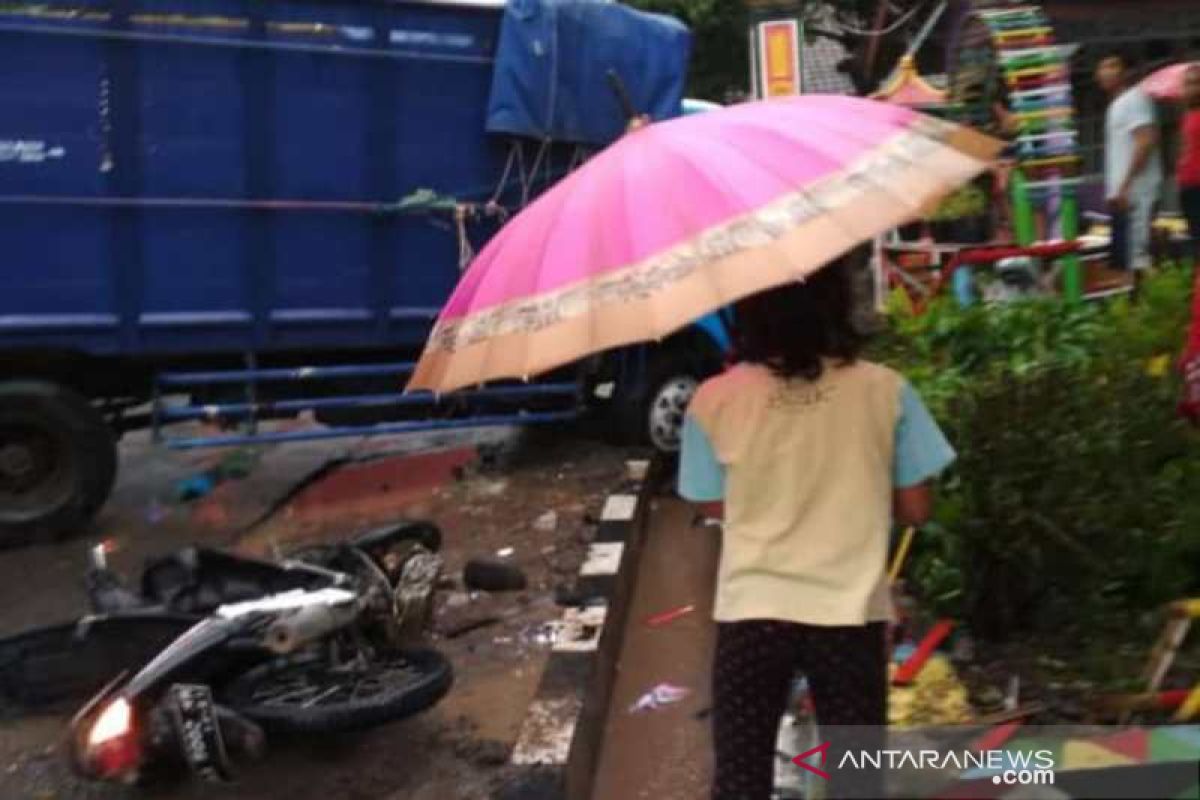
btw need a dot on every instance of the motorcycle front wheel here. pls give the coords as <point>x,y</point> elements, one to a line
<point>306,694</point>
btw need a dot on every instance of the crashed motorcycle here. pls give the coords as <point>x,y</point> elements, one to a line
<point>214,652</point>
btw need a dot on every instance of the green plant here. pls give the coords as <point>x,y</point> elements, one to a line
<point>1077,489</point>
<point>968,201</point>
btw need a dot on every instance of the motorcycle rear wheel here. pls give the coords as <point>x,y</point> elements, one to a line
<point>304,694</point>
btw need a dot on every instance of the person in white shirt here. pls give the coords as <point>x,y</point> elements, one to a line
<point>1133,173</point>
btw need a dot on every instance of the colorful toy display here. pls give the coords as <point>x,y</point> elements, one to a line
<point>1010,77</point>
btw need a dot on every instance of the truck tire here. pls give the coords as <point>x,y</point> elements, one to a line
<point>58,461</point>
<point>653,414</point>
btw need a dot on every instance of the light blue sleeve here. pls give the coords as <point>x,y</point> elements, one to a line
<point>922,451</point>
<point>701,475</point>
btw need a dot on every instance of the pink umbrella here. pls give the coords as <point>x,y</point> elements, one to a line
<point>1167,83</point>
<point>683,217</point>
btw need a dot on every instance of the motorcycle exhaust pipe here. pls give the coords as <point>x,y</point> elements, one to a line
<point>308,624</point>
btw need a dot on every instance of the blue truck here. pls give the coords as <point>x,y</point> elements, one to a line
<point>239,210</point>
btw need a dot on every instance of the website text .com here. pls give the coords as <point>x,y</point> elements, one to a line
<point>1025,777</point>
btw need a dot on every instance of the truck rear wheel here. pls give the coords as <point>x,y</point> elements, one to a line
<point>653,414</point>
<point>58,461</point>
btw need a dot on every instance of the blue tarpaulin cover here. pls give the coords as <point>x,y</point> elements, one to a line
<point>552,62</point>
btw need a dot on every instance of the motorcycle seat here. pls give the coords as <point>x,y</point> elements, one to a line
<point>198,580</point>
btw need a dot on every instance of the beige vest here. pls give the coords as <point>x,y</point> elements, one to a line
<point>808,494</point>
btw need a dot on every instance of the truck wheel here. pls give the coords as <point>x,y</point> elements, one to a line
<point>654,415</point>
<point>58,461</point>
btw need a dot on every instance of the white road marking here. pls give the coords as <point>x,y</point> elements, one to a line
<point>579,629</point>
<point>603,558</point>
<point>547,732</point>
<point>619,508</point>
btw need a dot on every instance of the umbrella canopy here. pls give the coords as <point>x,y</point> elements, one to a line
<point>1167,83</point>
<point>680,218</point>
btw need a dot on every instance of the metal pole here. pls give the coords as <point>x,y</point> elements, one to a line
<point>1073,266</point>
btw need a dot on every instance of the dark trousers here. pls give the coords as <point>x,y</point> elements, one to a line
<point>1118,248</point>
<point>753,668</point>
<point>1189,198</point>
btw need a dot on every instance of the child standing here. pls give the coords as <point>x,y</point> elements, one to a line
<point>814,452</point>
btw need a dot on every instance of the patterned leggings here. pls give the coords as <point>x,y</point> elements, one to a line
<point>754,665</point>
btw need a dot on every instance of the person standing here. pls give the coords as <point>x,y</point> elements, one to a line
<point>1132,166</point>
<point>1188,173</point>
<point>814,453</point>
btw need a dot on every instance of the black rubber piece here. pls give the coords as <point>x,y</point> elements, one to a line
<point>80,442</point>
<point>67,664</point>
<point>489,575</point>
<point>435,677</point>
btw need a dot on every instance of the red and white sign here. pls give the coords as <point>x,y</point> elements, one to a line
<point>779,58</point>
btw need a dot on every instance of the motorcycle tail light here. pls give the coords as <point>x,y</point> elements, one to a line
<point>112,744</point>
<point>114,722</point>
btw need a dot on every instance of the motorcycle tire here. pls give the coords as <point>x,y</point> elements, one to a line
<point>244,694</point>
<point>374,543</point>
<point>61,665</point>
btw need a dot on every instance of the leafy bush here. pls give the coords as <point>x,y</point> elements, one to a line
<point>1077,488</point>
<point>968,201</point>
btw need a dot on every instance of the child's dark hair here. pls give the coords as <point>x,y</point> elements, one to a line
<point>792,328</point>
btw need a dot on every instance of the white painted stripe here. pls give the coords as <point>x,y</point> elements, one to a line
<point>579,629</point>
<point>547,732</point>
<point>619,508</point>
<point>636,469</point>
<point>603,558</point>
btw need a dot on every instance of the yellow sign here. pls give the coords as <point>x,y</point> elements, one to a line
<point>779,58</point>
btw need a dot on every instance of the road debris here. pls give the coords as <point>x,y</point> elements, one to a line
<point>667,617</point>
<point>912,667</point>
<point>233,467</point>
<point>505,552</point>
<point>195,487</point>
<point>963,649</point>
<point>237,465</point>
<point>664,694</point>
<point>577,631</point>
<point>1012,697</point>
<point>1001,717</point>
<point>156,512</point>
<point>484,489</point>
<point>635,470</point>
<point>463,628</point>
<point>546,523</point>
<point>489,575</point>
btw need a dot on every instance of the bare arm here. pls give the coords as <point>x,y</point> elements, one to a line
<point>913,505</point>
<point>1145,142</point>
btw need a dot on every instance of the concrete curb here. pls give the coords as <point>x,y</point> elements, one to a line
<point>557,750</point>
